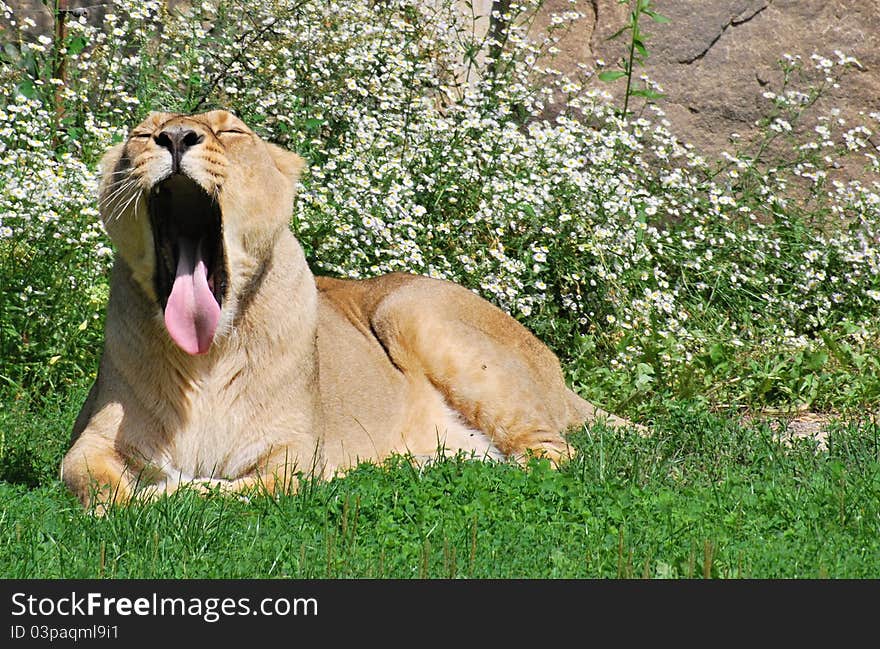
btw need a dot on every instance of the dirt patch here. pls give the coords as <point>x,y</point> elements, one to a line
<point>797,425</point>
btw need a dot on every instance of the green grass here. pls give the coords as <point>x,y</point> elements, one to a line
<point>700,496</point>
<point>673,287</point>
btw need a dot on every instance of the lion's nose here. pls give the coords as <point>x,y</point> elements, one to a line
<point>177,139</point>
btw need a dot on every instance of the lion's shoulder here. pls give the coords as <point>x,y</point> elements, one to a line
<point>367,293</point>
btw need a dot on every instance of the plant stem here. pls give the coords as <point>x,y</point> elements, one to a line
<point>60,65</point>
<point>632,49</point>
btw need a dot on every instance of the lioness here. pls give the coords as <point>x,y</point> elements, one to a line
<point>226,362</point>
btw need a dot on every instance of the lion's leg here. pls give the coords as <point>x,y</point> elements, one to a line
<point>494,372</point>
<point>97,474</point>
<point>276,483</point>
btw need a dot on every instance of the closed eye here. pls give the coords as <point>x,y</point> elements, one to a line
<point>231,131</point>
<point>139,136</point>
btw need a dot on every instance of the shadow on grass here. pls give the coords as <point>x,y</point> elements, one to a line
<point>19,466</point>
<point>35,434</point>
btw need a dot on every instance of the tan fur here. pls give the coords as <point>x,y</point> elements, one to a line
<point>303,375</point>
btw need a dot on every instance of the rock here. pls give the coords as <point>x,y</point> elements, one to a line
<point>715,58</point>
<point>41,13</point>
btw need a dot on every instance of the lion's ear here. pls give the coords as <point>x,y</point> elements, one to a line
<point>288,162</point>
<point>111,158</point>
<point>109,162</point>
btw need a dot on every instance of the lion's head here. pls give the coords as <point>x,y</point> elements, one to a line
<point>194,204</point>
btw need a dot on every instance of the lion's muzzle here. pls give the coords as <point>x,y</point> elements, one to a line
<point>177,139</point>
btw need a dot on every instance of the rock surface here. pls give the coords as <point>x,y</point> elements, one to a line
<point>715,58</point>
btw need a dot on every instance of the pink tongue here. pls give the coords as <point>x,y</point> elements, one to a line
<point>191,313</point>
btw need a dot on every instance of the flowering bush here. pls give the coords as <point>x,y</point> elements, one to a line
<point>648,268</point>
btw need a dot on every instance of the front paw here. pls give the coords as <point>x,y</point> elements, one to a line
<point>214,486</point>
<point>208,486</point>
<point>98,497</point>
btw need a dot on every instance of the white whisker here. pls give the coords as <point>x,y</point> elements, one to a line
<point>117,202</point>
<point>108,199</point>
<point>126,175</point>
<point>134,197</point>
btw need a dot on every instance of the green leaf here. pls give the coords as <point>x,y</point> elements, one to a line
<point>11,52</point>
<point>815,360</point>
<point>644,376</point>
<point>76,45</point>
<point>618,32</point>
<point>314,123</point>
<point>657,18</point>
<point>26,88</point>
<point>75,135</point>
<point>640,46</point>
<point>647,93</point>
<point>528,209</point>
<point>611,75</point>
<point>717,353</point>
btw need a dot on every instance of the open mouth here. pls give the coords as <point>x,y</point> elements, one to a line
<point>191,278</point>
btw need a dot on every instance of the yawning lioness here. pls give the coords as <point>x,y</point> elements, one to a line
<point>226,362</point>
